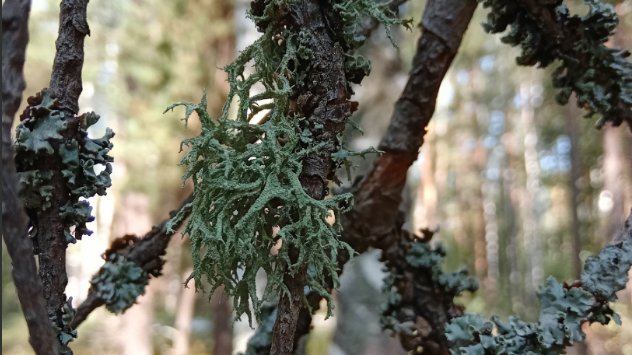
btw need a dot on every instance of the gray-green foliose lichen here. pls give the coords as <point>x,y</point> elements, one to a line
<point>49,141</point>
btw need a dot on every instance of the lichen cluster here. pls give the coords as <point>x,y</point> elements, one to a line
<point>417,286</point>
<point>48,140</point>
<point>563,309</point>
<point>65,332</point>
<point>250,212</point>
<point>547,32</point>
<point>119,282</point>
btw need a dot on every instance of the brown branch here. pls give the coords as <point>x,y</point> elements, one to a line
<point>376,220</point>
<point>65,81</point>
<point>15,37</point>
<point>378,196</point>
<point>48,225</point>
<point>324,100</point>
<point>146,252</point>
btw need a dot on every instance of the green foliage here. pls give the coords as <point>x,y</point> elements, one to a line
<point>47,141</point>
<point>119,282</point>
<point>563,310</point>
<point>546,31</point>
<point>247,194</point>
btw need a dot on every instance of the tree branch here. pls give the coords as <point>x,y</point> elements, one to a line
<point>48,226</point>
<point>324,100</point>
<point>65,81</point>
<point>146,252</point>
<point>15,37</point>
<point>378,196</point>
<point>375,219</point>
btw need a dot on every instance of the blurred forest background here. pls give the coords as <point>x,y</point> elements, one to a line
<point>517,185</point>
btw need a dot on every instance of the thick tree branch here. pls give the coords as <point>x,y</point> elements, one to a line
<point>15,37</point>
<point>146,252</point>
<point>324,100</point>
<point>49,227</point>
<point>376,220</point>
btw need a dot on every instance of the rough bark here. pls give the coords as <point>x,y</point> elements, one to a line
<point>375,219</point>
<point>65,80</point>
<point>66,86</point>
<point>15,37</point>
<point>324,101</point>
<point>222,323</point>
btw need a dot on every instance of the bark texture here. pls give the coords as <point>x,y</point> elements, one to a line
<point>376,220</point>
<point>15,37</point>
<point>65,84</point>
<point>324,101</point>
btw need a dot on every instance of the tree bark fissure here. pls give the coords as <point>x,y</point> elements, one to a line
<point>15,37</point>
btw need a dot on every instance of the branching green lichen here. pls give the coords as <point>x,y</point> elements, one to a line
<point>119,282</point>
<point>250,211</point>
<point>546,31</point>
<point>45,141</point>
<point>248,198</point>
<point>563,310</point>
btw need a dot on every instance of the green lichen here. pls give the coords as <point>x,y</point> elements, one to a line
<point>248,198</point>
<point>119,283</point>
<point>65,333</point>
<point>49,141</point>
<point>249,209</point>
<point>564,308</point>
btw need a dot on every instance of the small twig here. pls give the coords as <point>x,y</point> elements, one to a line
<point>15,37</point>
<point>146,252</point>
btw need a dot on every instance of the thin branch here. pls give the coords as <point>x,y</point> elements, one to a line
<point>377,198</point>
<point>65,81</point>
<point>15,37</point>
<point>146,252</point>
